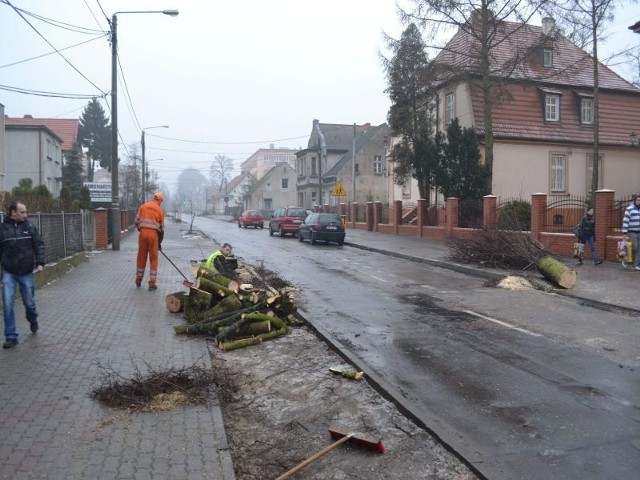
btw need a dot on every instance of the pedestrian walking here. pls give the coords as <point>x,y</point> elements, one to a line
<point>631,228</point>
<point>150,224</point>
<point>21,250</point>
<point>587,230</point>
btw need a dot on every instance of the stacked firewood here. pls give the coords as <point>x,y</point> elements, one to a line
<point>233,314</point>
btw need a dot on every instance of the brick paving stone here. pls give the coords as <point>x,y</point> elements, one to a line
<point>94,320</point>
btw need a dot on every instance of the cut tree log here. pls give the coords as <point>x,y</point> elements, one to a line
<point>218,278</point>
<point>199,302</point>
<point>217,289</point>
<point>175,302</point>
<point>557,272</point>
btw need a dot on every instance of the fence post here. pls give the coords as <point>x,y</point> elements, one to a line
<point>538,214</point>
<point>489,211</point>
<point>453,206</point>
<point>397,215</point>
<point>420,220</point>
<point>377,214</point>
<point>354,214</point>
<point>369,216</point>
<point>603,213</point>
<point>102,222</point>
<point>64,236</point>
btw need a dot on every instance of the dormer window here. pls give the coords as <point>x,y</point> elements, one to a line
<point>547,57</point>
<point>551,99</point>
<point>586,111</point>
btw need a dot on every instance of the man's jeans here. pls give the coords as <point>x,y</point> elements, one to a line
<point>635,240</point>
<point>27,291</point>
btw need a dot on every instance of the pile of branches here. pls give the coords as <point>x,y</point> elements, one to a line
<point>194,383</point>
<point>233,314</point>
<point>497,248</point>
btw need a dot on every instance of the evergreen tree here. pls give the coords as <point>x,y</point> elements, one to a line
<point>461,174</point>
<point>410,118</point>
<point>65,198</point>
<point>95,135</point>
<point>84,198</point>
<point>23,190</point>
<point>72,172</point>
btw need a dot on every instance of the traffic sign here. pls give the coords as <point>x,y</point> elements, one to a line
<point>338,190</point>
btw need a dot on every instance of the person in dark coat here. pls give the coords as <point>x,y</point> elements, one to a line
<point>588,235</point>
<point>21,251</point>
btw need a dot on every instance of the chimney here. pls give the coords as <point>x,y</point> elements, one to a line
<point>548,24</point>
<point>28,116</point>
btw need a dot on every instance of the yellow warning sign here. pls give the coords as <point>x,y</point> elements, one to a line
<point>338,190</point>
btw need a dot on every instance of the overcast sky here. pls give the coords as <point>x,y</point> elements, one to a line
<point>227,77</point>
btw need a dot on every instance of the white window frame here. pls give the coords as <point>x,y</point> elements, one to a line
<point>558,173</point>
<point>587,111</point>
<point>449,107</point>
<point>552,107</point>
<point>406,188</point>
<point>547,57</point>
<point>377,164</point>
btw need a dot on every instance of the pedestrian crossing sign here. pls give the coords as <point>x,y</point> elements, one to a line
<point>338,190</point>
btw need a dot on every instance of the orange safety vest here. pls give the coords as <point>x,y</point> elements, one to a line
<point>150,215</point>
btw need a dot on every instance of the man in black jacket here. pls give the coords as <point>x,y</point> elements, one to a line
<point>21,250</point>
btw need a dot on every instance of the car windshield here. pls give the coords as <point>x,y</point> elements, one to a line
<point>253,213</point>
<point>325,218</point>
<point>296,212</point>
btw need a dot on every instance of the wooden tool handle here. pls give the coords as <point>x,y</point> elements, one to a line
<point>314,457</point>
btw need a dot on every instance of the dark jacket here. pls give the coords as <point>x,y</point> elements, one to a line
<point>21,247</point>
<point>587,227</point>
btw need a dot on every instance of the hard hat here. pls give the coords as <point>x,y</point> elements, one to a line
<point>158,196</point>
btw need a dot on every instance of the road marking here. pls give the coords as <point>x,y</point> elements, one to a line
<point>379,279</point>
<point>504,324</point>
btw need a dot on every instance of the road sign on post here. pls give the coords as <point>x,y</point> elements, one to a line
<point>338,190</point>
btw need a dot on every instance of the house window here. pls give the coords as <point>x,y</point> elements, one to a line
<point>356,168</point>
<point>449,108</point>
<point>313,198</point>
<point>590,172</point>
<point>587,111</point>
<point>406,188</point>
<point>49,149</point>
<point>377,164</point>
<point>552,108</point>
<point>547,57</point>
<point>314,167</point>
<point>285,184</point>
<point>268,204</point>
<point>558,173</point>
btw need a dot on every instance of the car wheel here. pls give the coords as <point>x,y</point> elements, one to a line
<point>340,242</point>
<point>300,239</point>
<point>270,231</point>
<point>239,226</point>
<point>261,227</point>
<point>313,239</point>
<point>280,232</point>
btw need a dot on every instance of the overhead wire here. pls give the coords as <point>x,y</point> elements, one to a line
<point>51,53</point>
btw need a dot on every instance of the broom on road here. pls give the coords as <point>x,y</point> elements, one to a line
<point>342,437</point>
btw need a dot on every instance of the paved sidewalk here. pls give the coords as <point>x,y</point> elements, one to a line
<point>607,285</point>
<point>50,428</point>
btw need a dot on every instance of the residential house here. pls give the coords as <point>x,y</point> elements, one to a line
<point>265,159</point>
<point>2,151</point>
<point>36,147</point>
<point>543,123</point>
<point>329,160</point>
<point>277,188</point>
<point>231,197</point>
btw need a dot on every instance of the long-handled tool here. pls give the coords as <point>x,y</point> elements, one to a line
<point>186,282</point>
<point>369,444</point>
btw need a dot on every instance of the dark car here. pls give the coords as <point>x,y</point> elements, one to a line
<point>251,218</point>
<point>326,227</point>
<point>286,220</point>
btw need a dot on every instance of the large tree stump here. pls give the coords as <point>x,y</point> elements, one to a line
<point>557,272</point>
<point>199,302</point>
<point>175,302</point>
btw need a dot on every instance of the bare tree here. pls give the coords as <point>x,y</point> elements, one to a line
<point>585,22</point>
<point>483,26</point>
<point>220,172</point>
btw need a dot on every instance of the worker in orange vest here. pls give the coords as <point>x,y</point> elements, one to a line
<point>150,224</point>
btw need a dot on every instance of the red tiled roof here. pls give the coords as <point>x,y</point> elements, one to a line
<point>65,128</point>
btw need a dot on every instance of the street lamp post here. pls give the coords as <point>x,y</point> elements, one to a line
<point>142,143</point>
<point>115,199</point>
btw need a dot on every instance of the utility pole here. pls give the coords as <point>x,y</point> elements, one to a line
<point>353,167</point>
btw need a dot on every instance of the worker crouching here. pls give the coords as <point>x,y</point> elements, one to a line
<point>222,261</point>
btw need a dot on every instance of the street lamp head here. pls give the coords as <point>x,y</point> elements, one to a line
<point>171,13</point>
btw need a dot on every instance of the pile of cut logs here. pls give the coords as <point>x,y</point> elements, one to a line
<point>233,314</point>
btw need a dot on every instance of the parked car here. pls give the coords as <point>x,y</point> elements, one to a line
<point>327,227</point>
<point>251,218</point>
<point>286,220</point>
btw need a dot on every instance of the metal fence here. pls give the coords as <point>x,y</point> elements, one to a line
<point>563,213</point>
<point>619,206</point>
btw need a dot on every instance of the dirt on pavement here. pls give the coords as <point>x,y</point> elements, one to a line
<point>279,399</point>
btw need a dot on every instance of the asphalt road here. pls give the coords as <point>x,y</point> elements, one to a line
<point>522,385</point>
